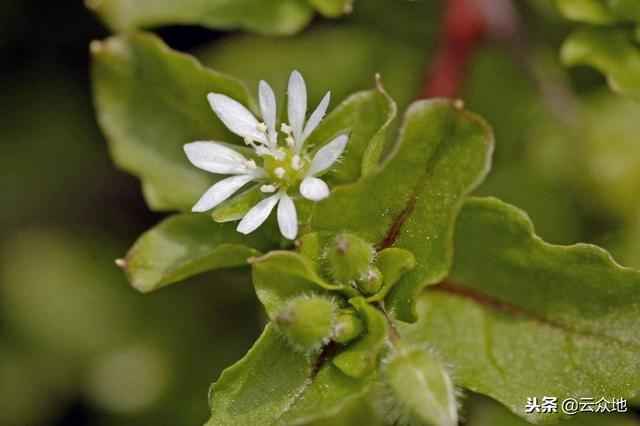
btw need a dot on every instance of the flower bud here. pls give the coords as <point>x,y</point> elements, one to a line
<point>371,283</point>
<point>307,321</point>
<point>420,387</point>
<point>348,326</point>
<point>349,258</point>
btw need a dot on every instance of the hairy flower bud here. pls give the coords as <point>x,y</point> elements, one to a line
<point>372,282</point>
<point>348,326</point>
<point>349,258</point>
<point>308,321</point>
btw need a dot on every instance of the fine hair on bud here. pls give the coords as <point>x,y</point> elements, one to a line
<point>417,388</point>
<point>348,258</point>
<point>308,321</point>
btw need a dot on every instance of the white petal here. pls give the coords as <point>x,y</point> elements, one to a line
<point>267,105</point>
<point>216,158</point>
<point>297,107</point>
<point>314,189</point>
<point>287,217</point>
<point>235,116</point>
<point>316,116</point>
<point>220,192</point>
<point>257,215</point>
<point>327,155</point>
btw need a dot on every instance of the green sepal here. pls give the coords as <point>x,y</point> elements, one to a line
<point>392,263</point>
<point>237,206</point>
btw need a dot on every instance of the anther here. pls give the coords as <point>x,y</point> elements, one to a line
<point>279,171</point>
<point>268,188</point>
<point>262,128</point>
<point>295,162</point>
<point>250,164</point>
<point>286,128</point>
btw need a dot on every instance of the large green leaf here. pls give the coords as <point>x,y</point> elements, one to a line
<point>612,51</point>
<point>186,245</point>
<point>521,318</point>
<point>266,17</point>
<point>150,101</point>
<point>275,385</point>
<point>442,154</point>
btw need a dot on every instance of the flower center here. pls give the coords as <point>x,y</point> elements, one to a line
<point>288,169</point>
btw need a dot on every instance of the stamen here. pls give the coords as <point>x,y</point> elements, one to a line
<point>290,141</point>
<point>268,188</point>
<point>248,140</point>
<point>279,171</point>
<point>285,128</point>
<point>296,162</point>
<point>250,164</point>
<point>262,128</point>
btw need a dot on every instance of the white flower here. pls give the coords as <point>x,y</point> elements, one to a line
<point>286,166</point>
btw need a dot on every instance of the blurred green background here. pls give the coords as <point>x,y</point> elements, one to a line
<point>80,347</point>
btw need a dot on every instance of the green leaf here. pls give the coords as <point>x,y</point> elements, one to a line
<point>274,385</point>
<point>611,51</point>
<point>150,101</point>
<point>521,318</point>
<point>185,245</point>
<point>279,276</point>
<point>600,12</point>
<point>421,388</point>
<point>442,154</point>
<point>264,17</point>
<point>360,358</point>
<point>367,115</point>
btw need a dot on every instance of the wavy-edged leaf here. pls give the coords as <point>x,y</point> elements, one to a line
<point>260,16</point>
<point>521,318</point>
<point>275,385</point>
<point>360,358</point>
<point>188,244</point>
<point>150,101</point>
<point>612,51</point>
<point>280,276</point>
<point>367,116</point>
<point>442,154</point>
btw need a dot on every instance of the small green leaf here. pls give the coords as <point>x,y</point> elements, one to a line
<point>280,276</point>
<point>442,154</point>
<point>150,101</point>
<point>392,263</point>
<point>360,358</point>
<point>276,386</point>
<point>420,387</point>
<point>185,245</point>
<point>521,318</point>
<point>611,51</point>
<point>264,17</point>
<point>367,115</point>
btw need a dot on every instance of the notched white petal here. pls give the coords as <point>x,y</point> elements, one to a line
<point>216,158</point>
<point>257,215</point>
<point>328,154</point>
<point>314,189</point>
<point>297,103</point>
<point>287,217</point>
<point>220,192</point>
<point>267,105</point>
<point>316,116</point>
<point>235,116</point>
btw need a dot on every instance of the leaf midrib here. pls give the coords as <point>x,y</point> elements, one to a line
<point>515,311</point>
